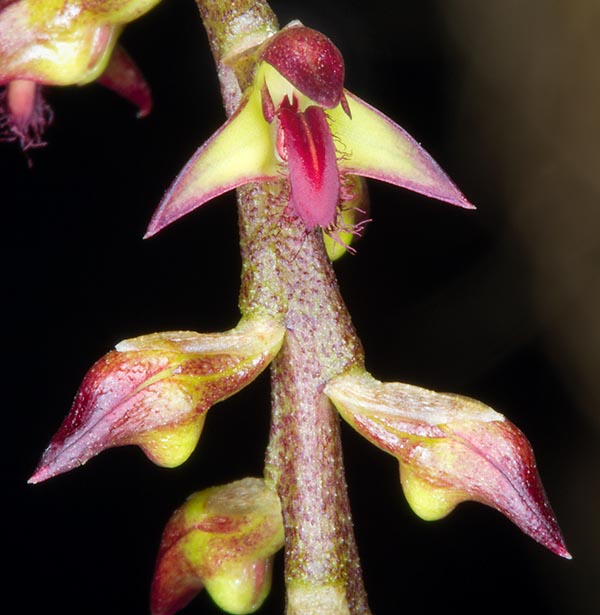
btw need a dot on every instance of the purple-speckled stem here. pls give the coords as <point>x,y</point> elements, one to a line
<point>287,275</point>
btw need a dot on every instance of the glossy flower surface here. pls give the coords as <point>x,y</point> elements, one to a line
<point>298,122</point>
<point>450,449</point>
<point>222,539</point>
<point>154,391</point>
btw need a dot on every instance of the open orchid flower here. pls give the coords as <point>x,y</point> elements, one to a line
<point>155,390</point>
<point>296,126</point>
<point>297,121</point>
<point>62,42</point>
<point>450,449</point>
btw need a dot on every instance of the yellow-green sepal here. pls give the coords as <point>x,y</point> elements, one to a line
<point>241,151</point>
<point>374,146</point>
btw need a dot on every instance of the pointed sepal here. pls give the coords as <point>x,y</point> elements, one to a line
<point>222,539</point>
<point>241,151</point>
<point>374,146</point>
<point>123,76</point>
<point>450,449</point>
<point>154,391</point>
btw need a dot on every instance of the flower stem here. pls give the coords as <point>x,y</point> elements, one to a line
<point>304,457</point>
<point>286,275</point>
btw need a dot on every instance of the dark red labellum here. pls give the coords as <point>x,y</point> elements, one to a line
<point>307,144</point>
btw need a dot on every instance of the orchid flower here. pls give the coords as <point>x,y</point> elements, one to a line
<point>154,391</point>
<point>296,120</point>
<point>297,145</point>
<point>223,539</point>
<point>450,449</point>
<point>62,42</point>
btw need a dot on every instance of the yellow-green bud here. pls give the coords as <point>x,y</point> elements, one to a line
<point>222,539</point>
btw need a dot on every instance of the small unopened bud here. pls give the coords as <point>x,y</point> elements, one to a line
<point>222,539</point>
<point>450,449</point>
<point>154,391</point>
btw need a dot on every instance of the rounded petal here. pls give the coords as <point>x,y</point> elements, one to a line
<point>309,61</point>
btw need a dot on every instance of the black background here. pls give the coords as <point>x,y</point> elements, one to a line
<point>441,298</point>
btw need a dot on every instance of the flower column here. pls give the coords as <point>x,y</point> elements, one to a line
<point>286,273</point>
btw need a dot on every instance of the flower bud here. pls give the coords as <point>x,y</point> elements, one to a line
<point>450,449</point>
<point>223,539</point>
<point>154,391</point>
<point>42,42</point>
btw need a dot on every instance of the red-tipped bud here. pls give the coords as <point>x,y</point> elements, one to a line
<point>154,391</point>
<point>223,539</point>
<point>450,449</point>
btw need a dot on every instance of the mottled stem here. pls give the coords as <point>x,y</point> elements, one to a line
<point>287,275</point>
<point>304,457</point>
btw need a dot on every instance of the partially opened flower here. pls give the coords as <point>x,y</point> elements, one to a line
<point>222,539</point>
<point>62,42</point>
<point>154,391</point>
<point>297,121</point>
<point>450,449</point>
